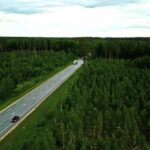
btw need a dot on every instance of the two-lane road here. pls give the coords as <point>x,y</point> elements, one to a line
<point>29,102</point>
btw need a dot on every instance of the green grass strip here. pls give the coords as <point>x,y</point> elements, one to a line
<point>32,84</point>
<point>28,127</point>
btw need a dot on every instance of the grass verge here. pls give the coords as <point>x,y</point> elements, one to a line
<point>31,84</point>
<point>28,127</point>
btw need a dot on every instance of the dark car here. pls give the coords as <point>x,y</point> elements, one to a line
<point>15,119</point>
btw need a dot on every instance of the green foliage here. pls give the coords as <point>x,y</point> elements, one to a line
<point>107,108</point>
<point>122,48</point>
<point>108,100</point>
<point>16,68</point>
<point>95,47</point>
<point>142,62</point>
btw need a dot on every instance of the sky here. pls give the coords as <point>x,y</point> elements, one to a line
<point>75,18</point>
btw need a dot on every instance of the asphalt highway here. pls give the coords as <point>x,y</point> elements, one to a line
<point>28,103</point>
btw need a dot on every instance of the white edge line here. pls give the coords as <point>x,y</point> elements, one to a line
<point>5,128</point>
<point>32,90</point>
<point>36,106</point>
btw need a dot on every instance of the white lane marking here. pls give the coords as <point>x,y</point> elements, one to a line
<point>5,128</point>
<point>34,90</point>
<point>28,109</point>
<point>70,72</point>
<point>48,92</point>
<point>13,113</point>
<point>24,105</point>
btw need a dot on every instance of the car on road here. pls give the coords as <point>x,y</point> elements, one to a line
<point>75,62</point>
<point>15,119</point>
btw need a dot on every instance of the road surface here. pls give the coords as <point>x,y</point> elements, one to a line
<point>25,105</point>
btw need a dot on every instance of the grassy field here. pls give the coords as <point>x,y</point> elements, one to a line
<point>28,86</point>
<point>28,127</point>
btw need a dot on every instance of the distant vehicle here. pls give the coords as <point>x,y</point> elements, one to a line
<point>75,62</point>
<point>15,119</point>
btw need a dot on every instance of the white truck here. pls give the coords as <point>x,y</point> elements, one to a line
<point>75,62</point>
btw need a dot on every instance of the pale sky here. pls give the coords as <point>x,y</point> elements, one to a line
<point>75,18</point>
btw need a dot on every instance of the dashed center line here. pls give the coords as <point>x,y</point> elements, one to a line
<point>13,113</point>
<point>31,101</point>
<point>24,105</point>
